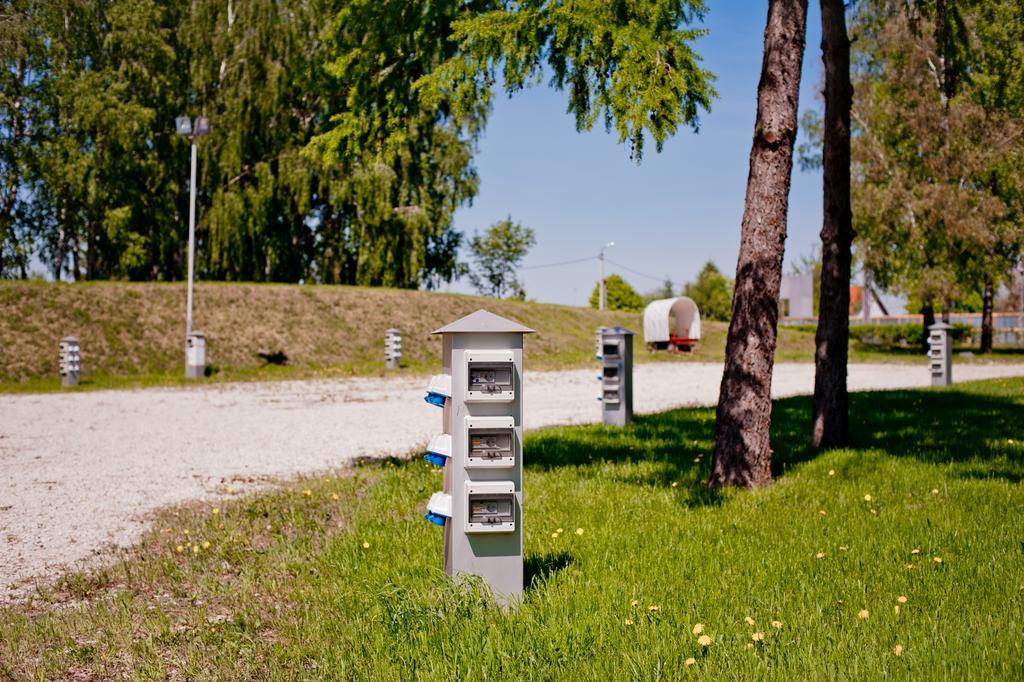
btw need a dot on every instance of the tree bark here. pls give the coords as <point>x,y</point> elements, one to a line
<point>742,452</point>
<point>986,317</point>
<point>928,319</point>
<point>831,401</point>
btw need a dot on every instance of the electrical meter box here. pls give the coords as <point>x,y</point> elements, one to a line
<point>940,353</point>
<point>70,353</point>
<point>195,355</point>
<point>492,442</point>
<point>490,376</point>
<point>482,357</point>
<point>490,507</point>
<point>616,375</point>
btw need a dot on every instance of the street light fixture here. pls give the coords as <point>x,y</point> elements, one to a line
<point>183,124</point>
<point>603,300</point>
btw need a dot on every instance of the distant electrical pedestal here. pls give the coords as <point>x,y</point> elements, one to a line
<point>940,353</point>
<point>392,349</point>
<point>70,361</point>
<point>480,449</point>
<point>195,355</point>
<point>616,356</point>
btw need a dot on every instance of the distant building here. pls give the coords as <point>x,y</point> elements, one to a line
<point>796,298</point>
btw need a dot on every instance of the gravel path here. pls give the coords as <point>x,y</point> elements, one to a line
<point>84,471</point>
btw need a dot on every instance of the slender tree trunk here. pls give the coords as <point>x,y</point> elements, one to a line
<point>986,317</point>
<point>947,308</point>
<point>927,319</point>
<point>831,402</point>
<point>742,454</point>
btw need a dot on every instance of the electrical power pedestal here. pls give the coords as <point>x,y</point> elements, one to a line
<point>70,353</point>
<point>940,353</point>
<point>616,355</point>
<point>481,452</point>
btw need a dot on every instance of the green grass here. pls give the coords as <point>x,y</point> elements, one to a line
<point>132,333</point>
<point>287,589</point>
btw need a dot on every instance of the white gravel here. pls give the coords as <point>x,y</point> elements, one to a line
<point>84,471</point>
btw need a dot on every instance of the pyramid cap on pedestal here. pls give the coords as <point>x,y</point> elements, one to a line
<point>483,322</point>
<point>621,331</point>
<point>941,325</point>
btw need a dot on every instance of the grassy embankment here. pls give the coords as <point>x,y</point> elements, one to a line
<point>132,334</point>
<point>899,557</point>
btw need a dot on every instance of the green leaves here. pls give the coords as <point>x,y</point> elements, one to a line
<point>630,64</point>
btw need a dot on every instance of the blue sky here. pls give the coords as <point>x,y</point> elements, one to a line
<point>667,216</point>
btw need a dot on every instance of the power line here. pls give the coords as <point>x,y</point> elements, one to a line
<point>635,272</point>
<point>555,265</point>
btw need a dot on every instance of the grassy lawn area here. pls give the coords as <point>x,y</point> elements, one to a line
<point>900,557</point>
<point>132,333</point>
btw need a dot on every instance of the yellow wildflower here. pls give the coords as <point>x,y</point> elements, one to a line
<point>366,545</point>
<point>901,599</point>
<point>757,637</point>
<point>179,549</point>
<point>195,549</point>
<point>750,645</point>
<point>777,624</point>
<point>831,472</point>
<point>898,650</point>
<point>634,602</point>
<point>819,555</point>
<point>215,511</point>
<point>628,621</point>
<point>675,484</point>
<point>937,559</point>
<point>653,608</point>
<point>863,614</point>
<point>750,621</point>
<point>896,609</point>
<point>867,498</point>
<point>691,661</point>
<point>915,551</point>
<point>935,491</point>
<point>554,535</point>
<point>698,628</point>
<point>307,492</point>
<point>206,544</point>
<point>704,640</point>
<point>334,496</point>
<point>823,512</point>
<point>579,531</point>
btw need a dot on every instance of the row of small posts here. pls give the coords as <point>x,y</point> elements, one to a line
<point>70,356</point>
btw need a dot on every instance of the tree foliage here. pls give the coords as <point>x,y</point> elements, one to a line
<point>496,255</point>
<point>104,191</point>
<point>938,145</point>
<point>712,292</point>
<point>619,295</point>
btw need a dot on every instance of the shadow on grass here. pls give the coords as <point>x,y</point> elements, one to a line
<point>537,568</point>
<point>977,428</point>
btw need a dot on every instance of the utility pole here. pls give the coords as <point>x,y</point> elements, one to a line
<point>603,298</point>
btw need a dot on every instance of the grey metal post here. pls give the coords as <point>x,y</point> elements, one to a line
<point>616,376</point>
<point>191,239</point>
<point>195,355</point>
<point>940,353</point>
<point>70,361</point>
<point>392,348</point>
<point>480,506</point>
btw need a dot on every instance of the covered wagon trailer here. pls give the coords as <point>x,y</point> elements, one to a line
<point>661,334</point>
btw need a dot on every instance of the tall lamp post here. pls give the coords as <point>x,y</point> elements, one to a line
<point>603,301</point>
<point>197,346</point>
